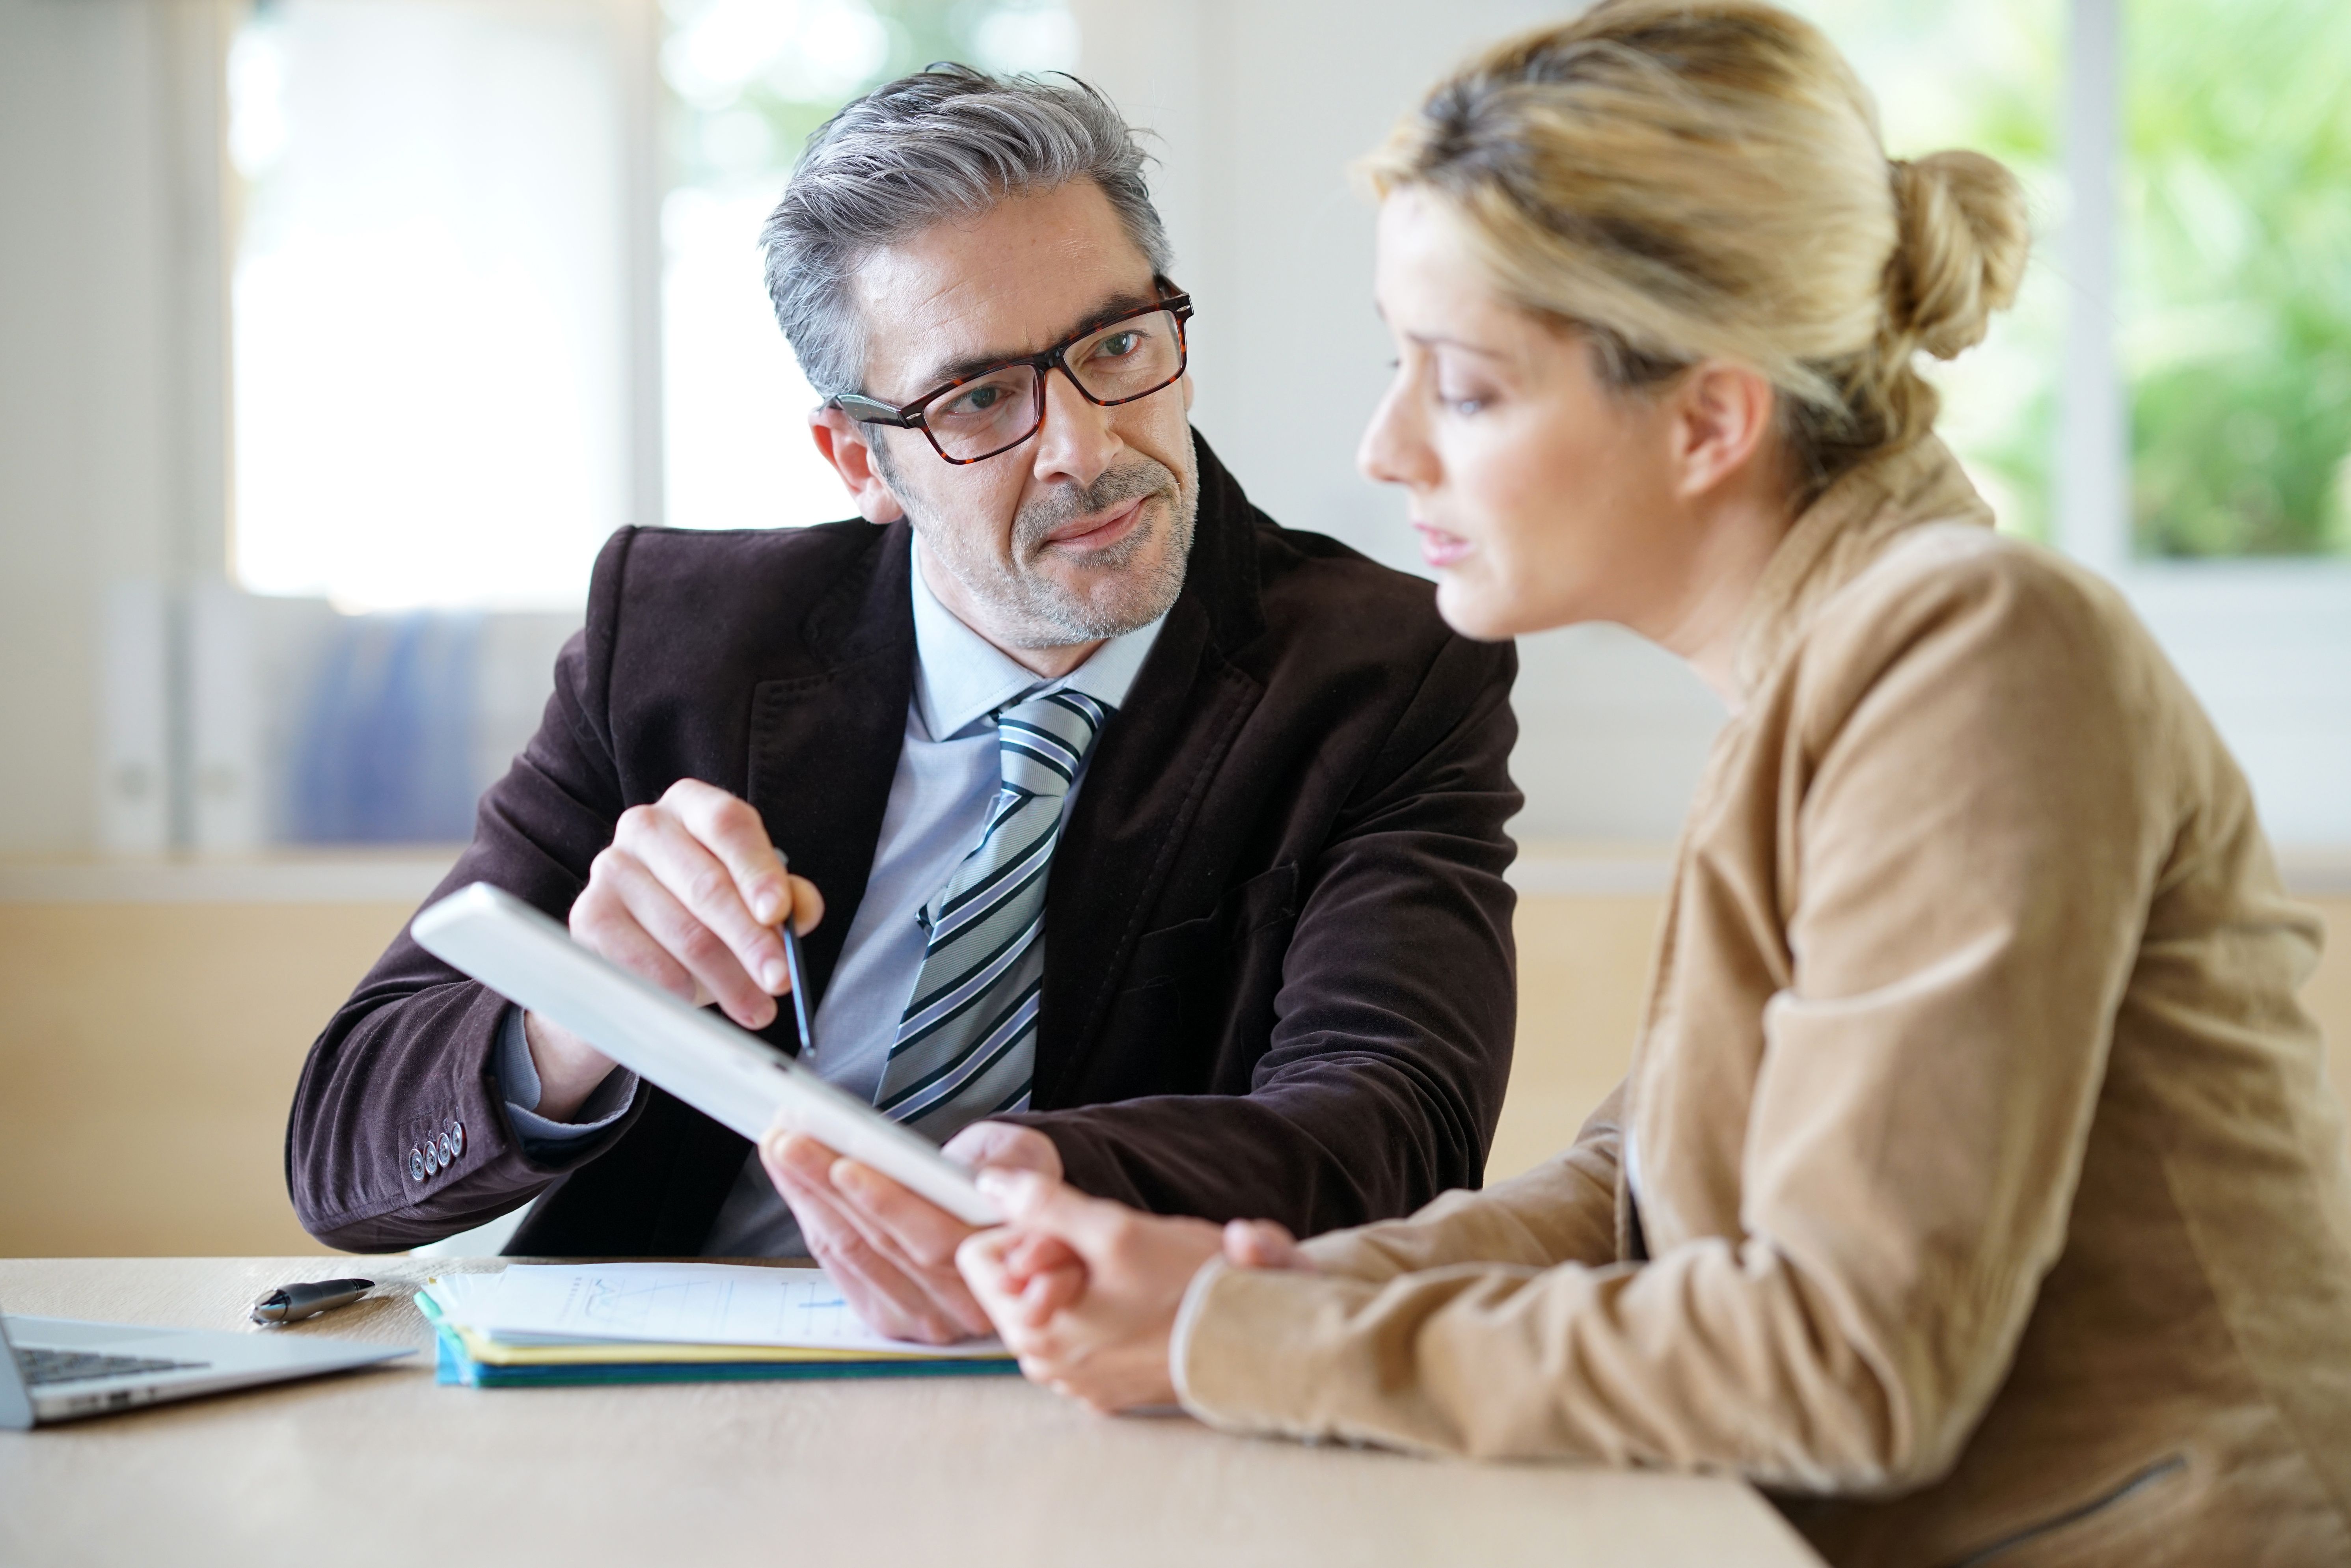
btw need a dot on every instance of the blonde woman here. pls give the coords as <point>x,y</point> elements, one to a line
<point>1975,1189</point>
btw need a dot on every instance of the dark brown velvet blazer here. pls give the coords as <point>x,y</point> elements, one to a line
<point>1278,973</point>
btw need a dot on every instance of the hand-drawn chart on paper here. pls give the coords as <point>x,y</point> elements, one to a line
<point>689,1303</point>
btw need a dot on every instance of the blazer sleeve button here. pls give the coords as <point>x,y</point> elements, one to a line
<point>457,1137</point>
<point>416,1165</point>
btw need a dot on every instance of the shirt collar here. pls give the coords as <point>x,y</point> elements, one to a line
<point>961,678</point>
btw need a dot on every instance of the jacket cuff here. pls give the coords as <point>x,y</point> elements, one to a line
<point>1252,1350</point>
<point>1349,1254</point>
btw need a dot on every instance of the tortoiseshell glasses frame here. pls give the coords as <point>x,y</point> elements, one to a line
<point>974,417</point>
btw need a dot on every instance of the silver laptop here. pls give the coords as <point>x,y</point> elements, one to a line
<point>57,1369</point>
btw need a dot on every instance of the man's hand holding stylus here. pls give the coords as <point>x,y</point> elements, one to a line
<point>688,896</point>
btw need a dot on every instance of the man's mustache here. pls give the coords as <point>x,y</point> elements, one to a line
<point>1111,490</point>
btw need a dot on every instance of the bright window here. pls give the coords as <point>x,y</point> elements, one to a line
<point>2171,399</point>
<point>431,301</point>
<point>748,80</point>
<point>2230,293</point>
<point>1986,75</point>
<point>475,332</point>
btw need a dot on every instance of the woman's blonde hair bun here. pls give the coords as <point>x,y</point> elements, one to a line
<point>1963,238</point>
<point>1693,179</point>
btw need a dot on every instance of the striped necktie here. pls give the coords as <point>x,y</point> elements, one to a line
<point>966,1048</point>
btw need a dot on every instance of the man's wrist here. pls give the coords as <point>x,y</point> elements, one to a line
<point>569,1068</point>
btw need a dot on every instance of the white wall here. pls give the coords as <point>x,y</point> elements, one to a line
<point>84,357</point>
<point>1276,249</point>
<point>113,459</point>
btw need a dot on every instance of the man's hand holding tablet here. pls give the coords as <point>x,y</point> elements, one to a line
<point>891,1250</point>
<point>688,896</point>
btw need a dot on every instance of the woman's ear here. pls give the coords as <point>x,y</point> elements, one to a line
<point>1724,411</point>
<point>847,447</point>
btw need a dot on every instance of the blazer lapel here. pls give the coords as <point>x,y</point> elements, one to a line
<point>825,745</point>
<point>824,742</point>
<point>1150,769</point>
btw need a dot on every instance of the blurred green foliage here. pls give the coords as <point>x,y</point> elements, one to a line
<point>1999,399</point>
<point>1986,75</point>
<point>2236,308</point>
<point>2235,296</point>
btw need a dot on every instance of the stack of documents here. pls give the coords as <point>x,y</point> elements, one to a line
<point>667,1322</point>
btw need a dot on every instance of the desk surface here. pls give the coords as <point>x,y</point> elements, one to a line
<point>388,1467</point>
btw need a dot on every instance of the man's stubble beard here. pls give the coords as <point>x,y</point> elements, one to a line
<point>1030,609</point>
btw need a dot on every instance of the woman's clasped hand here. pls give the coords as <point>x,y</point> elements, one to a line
<point>1086,1292</point>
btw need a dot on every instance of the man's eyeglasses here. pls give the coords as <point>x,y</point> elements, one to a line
<point>1118,360</point>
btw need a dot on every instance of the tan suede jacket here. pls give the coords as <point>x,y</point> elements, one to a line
<point>1987,1203</point>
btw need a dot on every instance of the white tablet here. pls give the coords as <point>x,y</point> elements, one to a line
<point>729,1075</point>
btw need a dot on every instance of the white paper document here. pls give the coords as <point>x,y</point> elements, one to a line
<point>686,1304</point>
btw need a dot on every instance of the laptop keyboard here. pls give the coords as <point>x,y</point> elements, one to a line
<point>42,1367</point>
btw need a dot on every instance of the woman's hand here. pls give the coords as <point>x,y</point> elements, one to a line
<point>1086,1292</point>
<point>891,1250</point>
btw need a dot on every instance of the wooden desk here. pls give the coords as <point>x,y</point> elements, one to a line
<point>385,1467</point>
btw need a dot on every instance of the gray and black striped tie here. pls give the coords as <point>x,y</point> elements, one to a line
<point>967,1046</point>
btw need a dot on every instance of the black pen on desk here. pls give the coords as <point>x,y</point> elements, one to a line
<point>796,972</point>
<point>291,1304</point>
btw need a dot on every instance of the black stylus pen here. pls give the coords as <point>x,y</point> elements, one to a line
<point>291,1304</point>
<point>798,973</point>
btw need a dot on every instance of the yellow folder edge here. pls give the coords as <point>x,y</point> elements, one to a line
<point>594,1353</point>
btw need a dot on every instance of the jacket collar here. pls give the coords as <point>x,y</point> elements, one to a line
<point>1835,538</point>
<point>1145,782</point>
<point>1222,574</point>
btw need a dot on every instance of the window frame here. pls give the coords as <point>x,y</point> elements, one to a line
<point>2213,617</point>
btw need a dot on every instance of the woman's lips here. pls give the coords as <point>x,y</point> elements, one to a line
<point>1439,548</point>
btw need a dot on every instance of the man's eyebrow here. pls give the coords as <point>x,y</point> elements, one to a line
<point>1120,302</point>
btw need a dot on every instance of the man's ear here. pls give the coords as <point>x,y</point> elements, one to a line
<point>1724,413</point>
<point>847,447</point>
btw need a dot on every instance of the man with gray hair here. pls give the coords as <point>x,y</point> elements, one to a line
<point>1134,838</point>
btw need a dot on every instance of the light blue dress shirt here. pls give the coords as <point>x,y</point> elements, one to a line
<point>947,774</point>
